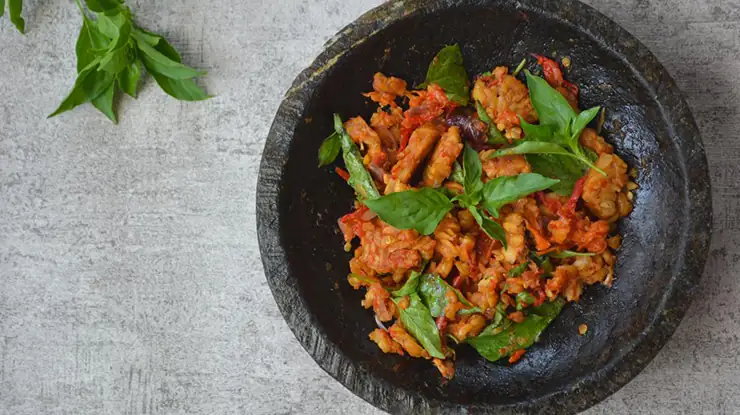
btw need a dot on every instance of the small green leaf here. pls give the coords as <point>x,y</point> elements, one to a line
<point>447,71</point>
<point>569,254</point>
<point>153,40</point>
<point>111,25</point>
<point>538,132</point>
<point>472,171</point>
<point>519,270</point>
<point>90,39</point>
<point>566,169</point>
<point>329,150</point>
<point>420,324</point>
<point>410,286</point>
<point>421,209</point>
<point>492,228</point>
<point>158,63</point>
<point>432,289</point>
<point>359,177</point>
<point>104,103</point>
<point>518,335</point>
<point>15,9</point>
<point>182,89</point>
<point>580,122</point>
<point>128,79</point>
<point>550,105</point>
<point>494,135</point>
<point>104,6</point>
<point>504,190</point>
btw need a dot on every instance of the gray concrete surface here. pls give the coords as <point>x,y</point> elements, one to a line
<point>130,280</point>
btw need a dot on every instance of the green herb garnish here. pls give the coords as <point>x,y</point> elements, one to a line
<point>111,52</point>
<point>447,71</point>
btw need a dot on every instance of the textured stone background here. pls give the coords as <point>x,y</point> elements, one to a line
<point>130,280</point>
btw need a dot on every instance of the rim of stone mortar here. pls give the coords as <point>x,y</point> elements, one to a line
<point>585,391</point>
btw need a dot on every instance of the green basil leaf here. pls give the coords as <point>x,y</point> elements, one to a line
<point>123,35</point>
<point>494,135</point>
<point>90,39</point>
<point>2,8</point>
<point>472,171</point>
<point>104,6</point>
<point>116,60</point>
<point>15,9</point>
<point>89,85</point>
<point>457,175</point>
<point>566,169</point>
<point>533,147</point>
<point>504,190</point>
<point>492,228</point>
<point>420,324</point>
<point>111,25</point>
<point>153,40</point>
<point>104,102</point>
<point>329,150</point>
<point>519,270</point>
<point>580,122</point>
<point>156,62</point>
<point>538,132</point>
<point>447,71</point>
<point>550,105</point>
<point>359,177</point>
<point>432,289</point>
<point>569,254</point>
<point>518,335</point>
<point>410,286</point>
<point>128,79</point>
<point>421,209</point>
<point>182,89</point>
<point>159,43</point>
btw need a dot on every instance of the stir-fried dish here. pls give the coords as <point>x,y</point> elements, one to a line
<point>480,212</point>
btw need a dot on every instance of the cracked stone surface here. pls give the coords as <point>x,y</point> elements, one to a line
<point>130,279</point>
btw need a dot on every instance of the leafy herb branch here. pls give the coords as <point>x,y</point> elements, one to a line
<point>112,52</point>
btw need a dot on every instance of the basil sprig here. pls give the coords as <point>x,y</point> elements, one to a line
<point>557,135</point>
<point>329,149</point>
<point>432,289</point>
<point>359,177</point>
<point>417,319</point>
<point>111,53</point>
<point>494,135</point>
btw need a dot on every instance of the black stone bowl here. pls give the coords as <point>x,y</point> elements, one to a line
<point>665,238</point>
